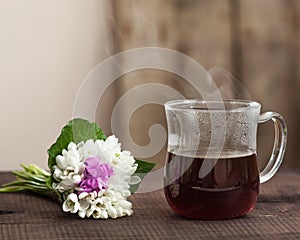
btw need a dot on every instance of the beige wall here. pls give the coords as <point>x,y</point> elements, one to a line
<point>47,47</point>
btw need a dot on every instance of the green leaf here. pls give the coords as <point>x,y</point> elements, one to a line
<point>76,130</point>
<point>144,167</point>
<point>141,171</point>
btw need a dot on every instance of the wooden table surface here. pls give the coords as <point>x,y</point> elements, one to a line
<point>276,216</point>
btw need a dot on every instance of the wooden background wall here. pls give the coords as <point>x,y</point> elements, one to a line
<point>257,41</point>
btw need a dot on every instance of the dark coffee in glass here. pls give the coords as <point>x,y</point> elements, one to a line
<point>211,169</point>
<point>229,190</point>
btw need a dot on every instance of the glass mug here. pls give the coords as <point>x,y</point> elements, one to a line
<point>211,170</point>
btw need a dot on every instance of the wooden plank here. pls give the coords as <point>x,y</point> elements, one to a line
<point>275,216</point>
<point>205,35</point>
<point>199,29</point>
<point>138,24</point>
<point>145,23</point>
<point>266,28</point>
<point>293,94</point>
<point>205,28</point>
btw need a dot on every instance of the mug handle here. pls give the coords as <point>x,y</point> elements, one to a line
<point>279,144</point>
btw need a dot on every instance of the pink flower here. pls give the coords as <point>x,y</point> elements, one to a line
<point>96,175</point>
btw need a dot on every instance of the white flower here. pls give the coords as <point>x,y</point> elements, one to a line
<point>69,169</point>
<point>71,204</point>
<point>110,202</point>
<point>68,181</point>
<point>87,149</point>
<point>103,205</point>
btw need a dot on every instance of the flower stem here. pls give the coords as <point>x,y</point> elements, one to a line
<point>33,179</point>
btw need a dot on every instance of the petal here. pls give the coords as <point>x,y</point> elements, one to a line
<point>80,144</point>
<point>75,208</point>
<point>128,211</point>
<point>134,180</point>
<point>57,172</point>
<point>72,197</point>
<point>112,212</point>
<point>83,195</point>
<point>125,204</point>
<point>72,146</point>
<point>104,214</point>
<point>61,162</point>
<point>64,152</point>
<point>112,144</point>
<point>99,200</point>
<point>92,162</point>
<point>84,205</point>
<point>82,214</point>
<point>66,207</point>
<point>76,178</point>
<point>73,158</point>
<point>89,212</point>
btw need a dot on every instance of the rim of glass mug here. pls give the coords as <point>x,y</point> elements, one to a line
<point>212,105</point>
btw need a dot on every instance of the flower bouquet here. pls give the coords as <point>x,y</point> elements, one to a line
<point>89,173</point>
